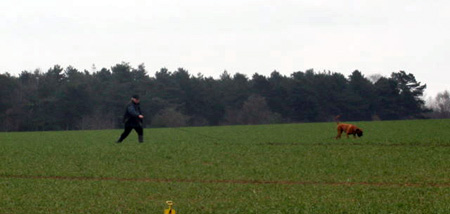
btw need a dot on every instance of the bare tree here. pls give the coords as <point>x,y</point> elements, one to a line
<point>254,111</point>
<point>374,78</point>
<point>170,117</point>
<point>441,105</point>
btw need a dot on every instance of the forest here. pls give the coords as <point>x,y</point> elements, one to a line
<point>70,99</point>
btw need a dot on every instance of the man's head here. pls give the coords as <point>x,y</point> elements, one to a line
<point>135,98</point>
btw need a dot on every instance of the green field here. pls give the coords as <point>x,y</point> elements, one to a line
<point>396,167</point>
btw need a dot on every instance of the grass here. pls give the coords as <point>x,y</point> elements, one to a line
<point>396,167</point>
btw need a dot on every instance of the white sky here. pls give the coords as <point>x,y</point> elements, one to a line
<point>245,36</point>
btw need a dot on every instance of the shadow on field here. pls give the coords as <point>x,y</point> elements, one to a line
<point>254,182</point>
<point>352,144</point>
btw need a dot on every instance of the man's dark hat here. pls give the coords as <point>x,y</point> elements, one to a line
<point>135,96</point>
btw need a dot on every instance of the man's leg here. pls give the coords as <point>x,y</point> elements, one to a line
<point>140,132</point>
<point>125,133</point>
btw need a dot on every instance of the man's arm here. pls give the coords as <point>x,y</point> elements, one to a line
<point>132,111</point>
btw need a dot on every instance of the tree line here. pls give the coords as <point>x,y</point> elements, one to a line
<point>69,99</point>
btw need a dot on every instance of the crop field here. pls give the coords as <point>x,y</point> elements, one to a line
<point>396,167</point>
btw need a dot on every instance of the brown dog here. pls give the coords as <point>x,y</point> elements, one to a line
<point>349,129</point>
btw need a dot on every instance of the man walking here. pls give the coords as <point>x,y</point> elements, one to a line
<point>133,120</point>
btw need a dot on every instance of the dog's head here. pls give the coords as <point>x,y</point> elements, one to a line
<point>359,132</point>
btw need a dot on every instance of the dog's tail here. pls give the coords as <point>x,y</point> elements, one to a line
<point>337,119</point>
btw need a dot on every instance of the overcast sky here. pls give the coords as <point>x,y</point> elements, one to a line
<point>245,36</point>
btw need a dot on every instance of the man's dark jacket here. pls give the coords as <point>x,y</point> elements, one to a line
<point>131,116</point>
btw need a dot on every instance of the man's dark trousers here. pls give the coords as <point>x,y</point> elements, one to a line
<point>127,131</point>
